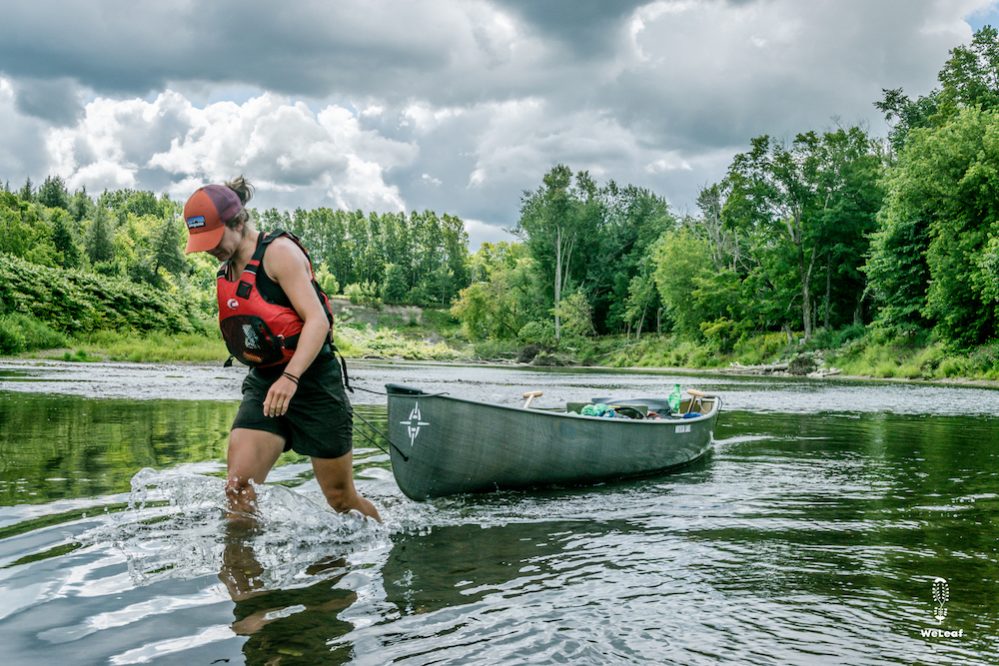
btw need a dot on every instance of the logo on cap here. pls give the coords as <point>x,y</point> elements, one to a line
<point>232,303</point>
<point>196,222</point>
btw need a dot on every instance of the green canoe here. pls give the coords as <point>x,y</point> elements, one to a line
<point>443,445</point>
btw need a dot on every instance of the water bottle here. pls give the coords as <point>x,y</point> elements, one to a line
<point>674,399</point>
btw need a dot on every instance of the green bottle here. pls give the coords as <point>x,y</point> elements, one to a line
<point>674,399</point>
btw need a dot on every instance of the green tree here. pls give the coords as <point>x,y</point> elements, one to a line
<point>53,193</point>
<point>24,231</point>
<point>136,202</point>
<point>27,191</point>
<point>100,238</point>
<point>632,220</point>
<point>681,259</point>
<point>326,280</point>
<point>725,249</point>
<point>64,240</point>
<point>555,220</point>
<point>394,288</point>
<point>942,199</point>
<point>969,78</point>
<point>576,315</point>
<point>504,296</point>
<point>642,298</point>
<point>802,206</point>
<point>168,242</point>
<point>81,206</point>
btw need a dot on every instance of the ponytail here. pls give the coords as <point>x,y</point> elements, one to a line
<point>244,191</point>
<point>241,187</point>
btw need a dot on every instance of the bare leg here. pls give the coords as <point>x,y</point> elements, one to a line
<point>251,455</point>
<point>336,478</point>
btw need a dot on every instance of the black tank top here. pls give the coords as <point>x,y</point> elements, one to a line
<point>270,290</point>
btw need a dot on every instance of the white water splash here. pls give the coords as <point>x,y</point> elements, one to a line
<point>176,527</point>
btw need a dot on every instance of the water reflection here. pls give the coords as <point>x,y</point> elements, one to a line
<point>461,564</point>
<point>56,447</point>
<point>285,623</point>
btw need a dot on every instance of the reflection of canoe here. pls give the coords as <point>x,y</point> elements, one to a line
<point>442,445</point>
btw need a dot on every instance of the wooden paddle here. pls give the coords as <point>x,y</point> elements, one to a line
<point>529,396</point>
<point>695,396</point>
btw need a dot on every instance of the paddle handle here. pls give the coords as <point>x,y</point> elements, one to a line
<point>531,395</point>
<point>695,399</point>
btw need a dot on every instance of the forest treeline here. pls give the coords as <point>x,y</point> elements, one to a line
<point>77,263</point>
<point>833,230</point>
<point>833,233</point>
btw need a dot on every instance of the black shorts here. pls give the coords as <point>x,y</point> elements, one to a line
<point>319,420</point>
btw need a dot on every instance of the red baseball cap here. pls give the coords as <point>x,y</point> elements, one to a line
<point>206,213</point>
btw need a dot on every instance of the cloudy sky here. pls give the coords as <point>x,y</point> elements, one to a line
<point>453,105</point>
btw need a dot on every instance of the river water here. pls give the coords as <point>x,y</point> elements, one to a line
<point>833,522</point>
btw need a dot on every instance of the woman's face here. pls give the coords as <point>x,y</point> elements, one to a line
<point>228,245</point>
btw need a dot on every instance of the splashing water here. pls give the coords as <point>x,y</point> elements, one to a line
<point>177,526</point>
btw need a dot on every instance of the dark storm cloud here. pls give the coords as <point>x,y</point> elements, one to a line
<point>394,50</point>
<point>21,140</point>
<point>54,100</point>
<point>716,74</point>
<point>587,27</point>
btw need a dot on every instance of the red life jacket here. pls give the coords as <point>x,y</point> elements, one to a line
<point>256,331</point>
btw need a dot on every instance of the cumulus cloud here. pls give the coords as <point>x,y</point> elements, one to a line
<point>324,158</point>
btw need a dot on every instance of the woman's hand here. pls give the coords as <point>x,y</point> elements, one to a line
<point>279,396</point>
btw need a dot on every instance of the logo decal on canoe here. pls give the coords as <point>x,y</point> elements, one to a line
<point>414,423</point>
<point>682,428</point>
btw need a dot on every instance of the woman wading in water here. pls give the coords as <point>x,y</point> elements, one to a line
<point>276,319</point>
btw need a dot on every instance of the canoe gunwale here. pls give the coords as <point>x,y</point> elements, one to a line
<point>716,402</point>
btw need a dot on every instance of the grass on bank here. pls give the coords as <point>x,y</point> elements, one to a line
<point>853,351</point>
<point>931,360</point>
<point>158,347</point>
<point>435,336</point>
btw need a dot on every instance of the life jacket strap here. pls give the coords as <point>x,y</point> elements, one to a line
<point>343,366</point>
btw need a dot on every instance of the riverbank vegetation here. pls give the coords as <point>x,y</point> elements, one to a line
<point>883,255</point>
<point>877,256</point>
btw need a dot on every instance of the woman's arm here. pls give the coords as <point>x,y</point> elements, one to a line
<point>288,266</point>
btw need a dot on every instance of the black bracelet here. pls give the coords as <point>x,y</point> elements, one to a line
<point>291,377</point>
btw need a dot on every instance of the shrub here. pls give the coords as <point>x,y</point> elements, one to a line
<point>759,349</point>
<point>538,333</point>
<point>12,340</point>
<point>72,301</point>
<point>19,333</point>
<point>365,293</point>
<point>720,333</point>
